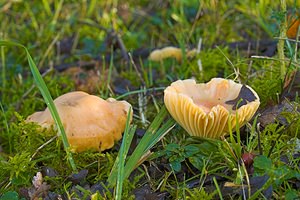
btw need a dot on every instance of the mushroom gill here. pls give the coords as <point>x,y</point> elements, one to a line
<point>205,110</point>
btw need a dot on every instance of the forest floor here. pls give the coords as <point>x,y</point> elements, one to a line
<point>106,48</point>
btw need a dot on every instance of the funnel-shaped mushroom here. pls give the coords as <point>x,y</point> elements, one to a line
<point>89,121</point>
<point>205,110</point>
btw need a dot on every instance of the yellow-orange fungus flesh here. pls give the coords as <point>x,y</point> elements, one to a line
<point>90,123</point>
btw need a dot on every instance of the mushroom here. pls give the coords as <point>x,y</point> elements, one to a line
<point>89,121</point>
<point>170,52</point>
<point>205,110</point>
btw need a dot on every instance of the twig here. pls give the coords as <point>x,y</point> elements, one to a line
<point>276,59</point>
<point>17,104</point>
<point>138,91</point>
<point>113,34</point>
<point>199,60</point>
<point>296,46</point>
<point>258,140</point>
<point>121,45</point>
<point>93,24</point>
<point>142,102</point>
<point>198,15</point>
<point>50,47</point>
<point>288,39</point>
<point>42,146</point>
<point>137,70</point>
<point>236,70</point>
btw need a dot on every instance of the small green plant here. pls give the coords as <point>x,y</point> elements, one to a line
<point>197,193</point>
<point>11,195</point>
<point>18,167</point>
<point>176,154</point>
<point>278,173</point>
<point>198,153</point>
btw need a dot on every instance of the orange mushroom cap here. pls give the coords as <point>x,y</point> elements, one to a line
<point>170,52</point>
<point>89,121</point>
<point>205,110</point>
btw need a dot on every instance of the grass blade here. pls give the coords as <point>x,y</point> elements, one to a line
<point>3,68</point>
<point>151,137</point>
<point>145,145</point>
<point>120,162</point>
<point>47,98</point>
<point>217,188</point>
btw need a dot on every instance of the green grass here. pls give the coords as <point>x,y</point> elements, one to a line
<point>39,35</point>
<point>47,98</point>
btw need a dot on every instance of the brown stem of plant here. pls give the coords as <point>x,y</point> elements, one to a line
<point>137,70</point>
<point>121,45</point>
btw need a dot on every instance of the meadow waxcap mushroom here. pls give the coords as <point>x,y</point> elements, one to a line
<point>205,110</point>
<point>89,121</point>
<point>170,52</point>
